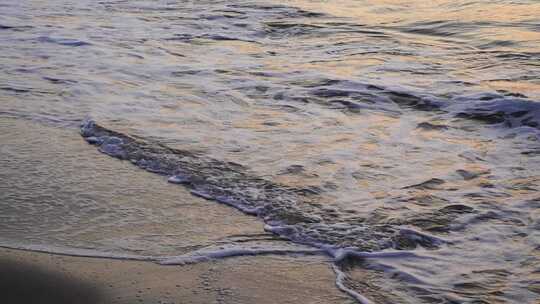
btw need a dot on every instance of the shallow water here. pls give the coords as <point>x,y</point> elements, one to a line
<point>56,192</point>
<point>370,125</point>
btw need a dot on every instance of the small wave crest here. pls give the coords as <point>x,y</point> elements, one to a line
<point>498,109</point>
<point>501,108</point>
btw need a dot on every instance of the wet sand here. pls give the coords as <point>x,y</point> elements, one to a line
<point>57,190</point>
<point>132,211</point>
<point>28,277</point>
<point>165,219</point>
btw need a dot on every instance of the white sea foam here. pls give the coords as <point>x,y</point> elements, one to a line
<point>340,283</point>
<point>207,255</point>
<point>178,179</point>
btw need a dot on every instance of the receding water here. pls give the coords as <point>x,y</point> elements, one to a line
<point>371,126</point>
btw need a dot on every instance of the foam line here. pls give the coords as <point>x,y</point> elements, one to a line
<point>342,254</point>
<point>79,252</point>
<point>199,257</point>
<point>340,283</point>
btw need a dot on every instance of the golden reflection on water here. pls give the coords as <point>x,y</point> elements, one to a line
<point>242,47</point>
<point>512,86</point>
<point>350,67</point>
<point>401,11</point>
<point>467,26</point>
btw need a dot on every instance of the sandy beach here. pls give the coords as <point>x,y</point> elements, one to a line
<point>30,277</point>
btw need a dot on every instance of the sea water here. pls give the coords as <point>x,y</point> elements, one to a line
<point>398,138</point>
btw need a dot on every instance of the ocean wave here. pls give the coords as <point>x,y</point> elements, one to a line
<point>290,212</point>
